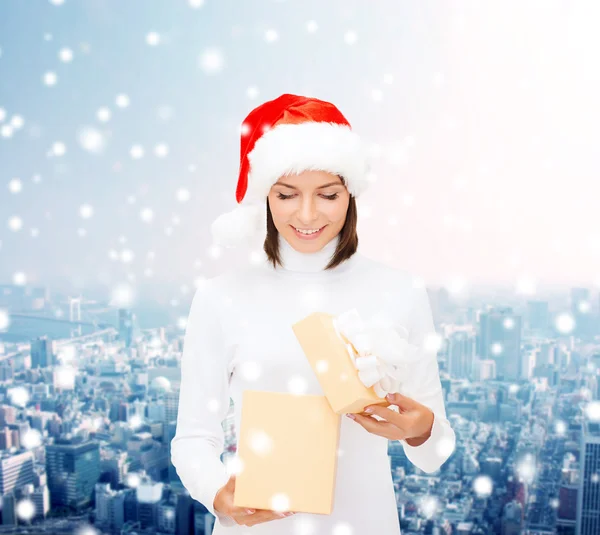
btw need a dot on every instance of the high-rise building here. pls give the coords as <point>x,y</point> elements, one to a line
<point>547,354</point>
<point>8,414</point>
<point>149,494</point>
<point>500,340</point>
<point>581,309</point>
<point>41,352</point>
<point>73,468</point>
<point>566,515</point>
<point>184,511</point>
<point>461,354</point>
<point>588,498</point>
<point>171,405</point>
<point>512,519</point>
<point>16,470</point>
<point>538,316</point>
<point>110,506</point>
<point>7,371</point>
<point>126,326</point>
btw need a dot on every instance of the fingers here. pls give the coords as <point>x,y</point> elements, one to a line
<point>249,516</point>
<point>383,428</point>
<point>261,516</point>
<point>387,414</point>
<point>241,511</point>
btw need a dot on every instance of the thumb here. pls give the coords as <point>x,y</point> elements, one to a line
<point>231,482</point>
<point>401,400</point>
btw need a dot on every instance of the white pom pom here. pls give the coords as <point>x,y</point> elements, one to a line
<point>242,223</point>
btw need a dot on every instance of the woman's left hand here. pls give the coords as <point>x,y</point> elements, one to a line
<point>412,422</point>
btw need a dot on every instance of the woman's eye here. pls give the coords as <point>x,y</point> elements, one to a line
<point>328,197</point>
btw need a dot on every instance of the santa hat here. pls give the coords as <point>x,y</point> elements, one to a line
<point>288,135</point>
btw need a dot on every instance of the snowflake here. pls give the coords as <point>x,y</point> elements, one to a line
<point>182,195</point>
<point>122,101</point>
<point>565,323</point>
<point>91,140</point>
<point>147,215</point>
<point>26,509</point>
<point>65,55</point>
<point>271,36</point>
<point>260,442</point>
<point>161,150</point>
<point>211,61</point>
<point>15,185</point>
<point>350,37</point>
<point>483,485</point>
<point>50,79</point>
<point>86,211</point>
<point>136,152</point>
<point>153,38</point>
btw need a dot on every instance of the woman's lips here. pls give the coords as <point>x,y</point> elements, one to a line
<point>308,236</point>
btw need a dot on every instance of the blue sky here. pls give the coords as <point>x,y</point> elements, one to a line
<point>485,119</point>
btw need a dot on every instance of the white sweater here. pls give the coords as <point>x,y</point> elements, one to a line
<point>239,337</point>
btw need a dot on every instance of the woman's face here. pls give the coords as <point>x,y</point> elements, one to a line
<point>311,200</point>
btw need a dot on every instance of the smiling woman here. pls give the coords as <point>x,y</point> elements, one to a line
<point>302,169</point>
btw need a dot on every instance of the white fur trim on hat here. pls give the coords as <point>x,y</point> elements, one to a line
<point>293,148</point>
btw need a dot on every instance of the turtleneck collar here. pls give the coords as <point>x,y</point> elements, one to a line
<point>296,262</point>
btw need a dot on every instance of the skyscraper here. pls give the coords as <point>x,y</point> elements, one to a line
<point>16,470</point>
<point>73,468</point>
<point>41,352</point>
<point>461,354</point>
<point>500,340</point>
<point>581,308</point>
<point>126,326</point>
<point>588,497</point>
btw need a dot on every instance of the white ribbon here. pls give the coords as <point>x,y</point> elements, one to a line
<point>380,353</point>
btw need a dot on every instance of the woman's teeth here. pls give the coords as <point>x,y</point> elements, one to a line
<point>307,231</point>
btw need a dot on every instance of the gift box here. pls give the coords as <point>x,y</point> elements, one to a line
<point>287,452</point>
<point>331,357</point>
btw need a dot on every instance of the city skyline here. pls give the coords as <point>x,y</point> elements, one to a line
<point>520,395</point>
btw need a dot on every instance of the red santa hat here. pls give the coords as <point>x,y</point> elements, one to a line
<point>284,136</point>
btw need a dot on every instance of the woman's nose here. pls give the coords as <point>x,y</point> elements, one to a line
<point>308,211</point>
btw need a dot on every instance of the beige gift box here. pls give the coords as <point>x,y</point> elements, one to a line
<point>330,359</point>
<point>287,452</point>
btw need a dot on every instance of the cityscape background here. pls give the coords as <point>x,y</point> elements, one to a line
<point>119,144</point>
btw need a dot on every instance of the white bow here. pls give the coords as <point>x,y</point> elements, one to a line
<point>384,353</point>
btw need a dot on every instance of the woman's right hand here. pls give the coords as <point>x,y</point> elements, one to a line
<point>223,504</point>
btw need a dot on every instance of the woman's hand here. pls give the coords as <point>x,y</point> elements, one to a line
<point>223,504</point>
<point>412,422</point>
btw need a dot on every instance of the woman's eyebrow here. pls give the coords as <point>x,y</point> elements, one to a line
<point>320,187</point>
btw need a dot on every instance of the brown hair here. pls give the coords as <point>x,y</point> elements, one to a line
<point>346,247</point>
